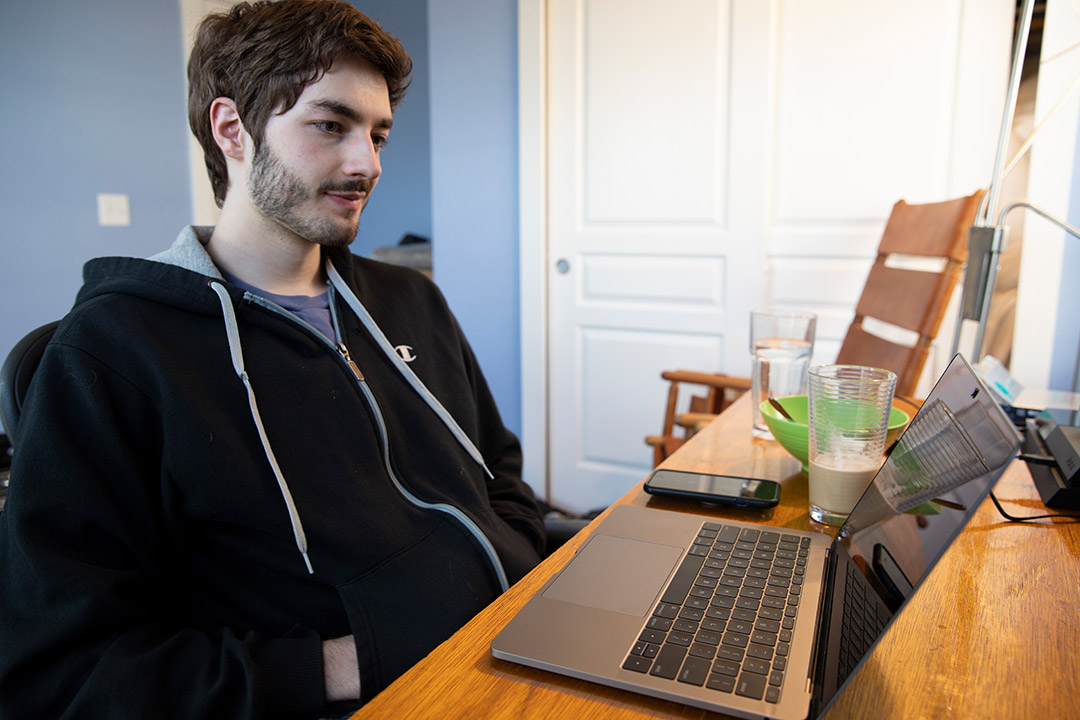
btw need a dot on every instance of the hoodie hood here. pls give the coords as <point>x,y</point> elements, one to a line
<point>156,278</point>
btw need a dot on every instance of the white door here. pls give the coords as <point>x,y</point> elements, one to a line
<point>648,225</point>
<point>706,157</point>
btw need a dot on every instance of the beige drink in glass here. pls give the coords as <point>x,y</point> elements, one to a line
<point>849,418</point>
<point>837,482</point>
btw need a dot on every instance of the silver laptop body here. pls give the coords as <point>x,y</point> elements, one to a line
<point>609,617</point>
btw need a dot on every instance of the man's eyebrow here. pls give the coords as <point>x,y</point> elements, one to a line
<point>347,111</point>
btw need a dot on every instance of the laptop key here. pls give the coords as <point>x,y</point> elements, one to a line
<point>744,614</point>
<point>751,685</point>
<point>763,638</point>
<point>727,652</point>
<point>741,626</point>
<point>678,638</point>
<point>709,637</point>
<point>754,665</point>
<point>736,639</point>
<point>713,625</point>
<point>653,636</point>
<point>694,671</point>
<point>770,613</point>
<point>685,626</point>
<point>720,601</point>
<point>761,652</point>
<point>729,534</point>
<point>750,535</point>
<point>702,650</point>
<point>767,625</point>
<point>667,610</point>
<point>725,667</point>
<point>683,580</point>
<point>689,613</point>
<point>772,694</point>
<point>659,623</point>
<point>723,683</point>
<point>637,663</point>
<point>668,661</point>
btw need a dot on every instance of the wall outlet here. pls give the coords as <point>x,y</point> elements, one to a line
<point>113,210</point>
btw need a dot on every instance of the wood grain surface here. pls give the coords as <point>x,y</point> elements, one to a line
<point>994,632</point>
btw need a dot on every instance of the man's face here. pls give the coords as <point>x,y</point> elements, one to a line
<point>319,161</point>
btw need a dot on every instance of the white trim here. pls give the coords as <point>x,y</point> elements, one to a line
<point>532,214</point>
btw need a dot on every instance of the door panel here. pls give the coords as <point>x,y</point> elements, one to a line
<point>639,138</point>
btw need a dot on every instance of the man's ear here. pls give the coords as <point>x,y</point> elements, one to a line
<point>229,133</point>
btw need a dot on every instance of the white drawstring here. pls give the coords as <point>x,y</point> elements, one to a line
<point>233,332</point>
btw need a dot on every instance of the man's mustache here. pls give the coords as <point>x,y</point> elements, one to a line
<point>347,186</point>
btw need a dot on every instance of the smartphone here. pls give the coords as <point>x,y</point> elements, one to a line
<point>724,489</point>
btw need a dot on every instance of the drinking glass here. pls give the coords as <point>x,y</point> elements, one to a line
<point>849,418</point>
<point>781,342</point>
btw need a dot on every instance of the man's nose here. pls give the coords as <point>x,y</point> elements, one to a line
<point>362,159</point>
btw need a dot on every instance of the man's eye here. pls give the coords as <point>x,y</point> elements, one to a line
<point>329,126</point>
<point>380,142</point>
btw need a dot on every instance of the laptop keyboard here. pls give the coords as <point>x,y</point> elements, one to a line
<point>864,618</point>
<point>725,619</point>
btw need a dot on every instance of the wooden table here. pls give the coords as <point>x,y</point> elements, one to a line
<point>993,633</point>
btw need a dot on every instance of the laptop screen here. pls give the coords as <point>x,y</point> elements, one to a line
<point>938,474</point>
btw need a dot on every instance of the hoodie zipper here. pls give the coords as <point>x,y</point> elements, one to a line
<point>344,352</point>
<point>384,438</point>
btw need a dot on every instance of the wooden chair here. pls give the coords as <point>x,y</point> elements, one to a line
<point>909,299</point>
<point>721,391</point>
<point>913,300</point>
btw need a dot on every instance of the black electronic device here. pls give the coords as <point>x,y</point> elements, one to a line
<point>721,489</point>
<point>1053,455</point>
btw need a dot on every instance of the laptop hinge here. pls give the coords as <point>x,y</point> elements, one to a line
<point>821,637</point>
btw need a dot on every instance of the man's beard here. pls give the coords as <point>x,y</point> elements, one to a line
<point>277,192</point>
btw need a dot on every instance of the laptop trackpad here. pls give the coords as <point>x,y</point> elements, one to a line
<point>616,574</point>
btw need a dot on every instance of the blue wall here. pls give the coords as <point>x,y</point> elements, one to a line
<point>80,117</point>
<point>474,150</point>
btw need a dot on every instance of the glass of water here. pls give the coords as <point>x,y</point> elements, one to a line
<point>781,342</point>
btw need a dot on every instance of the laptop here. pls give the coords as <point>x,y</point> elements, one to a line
<point>759,621</point>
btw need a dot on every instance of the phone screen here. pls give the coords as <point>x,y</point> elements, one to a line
<point>718,486</point>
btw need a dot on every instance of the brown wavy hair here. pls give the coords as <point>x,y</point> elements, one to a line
<point>262,55</point>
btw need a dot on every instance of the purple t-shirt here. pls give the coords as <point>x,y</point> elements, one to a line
<point>312,309</point>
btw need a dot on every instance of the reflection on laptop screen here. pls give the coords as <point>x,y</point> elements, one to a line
<point>940,471</point>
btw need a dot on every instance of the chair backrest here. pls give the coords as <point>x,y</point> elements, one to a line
<point>912,300</point>
<point>16,373</point>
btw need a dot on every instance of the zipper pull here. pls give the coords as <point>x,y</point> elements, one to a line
<point>344,351</point>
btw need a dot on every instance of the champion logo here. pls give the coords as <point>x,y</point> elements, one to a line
<point>405,352</point>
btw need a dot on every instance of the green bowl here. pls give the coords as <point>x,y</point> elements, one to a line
<point>794,434</point>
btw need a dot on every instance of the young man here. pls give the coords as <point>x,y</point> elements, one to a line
<point>231,497</point>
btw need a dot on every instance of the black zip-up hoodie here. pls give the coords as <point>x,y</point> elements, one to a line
<point>162,517</point>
